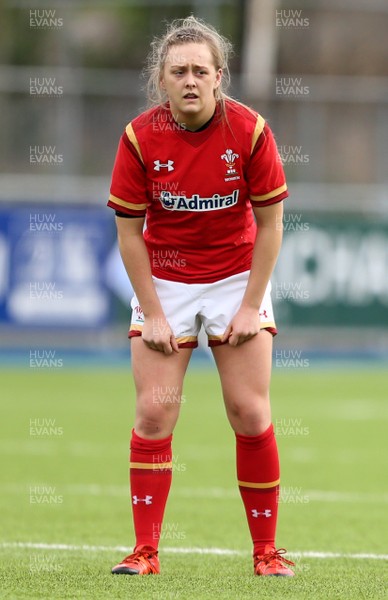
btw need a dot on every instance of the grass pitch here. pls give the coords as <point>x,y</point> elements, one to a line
<point>64,499</point>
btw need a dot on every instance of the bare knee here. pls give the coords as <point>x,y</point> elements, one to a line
<point>152,428</point>
<point>155,420</point>
<point>251,418</point>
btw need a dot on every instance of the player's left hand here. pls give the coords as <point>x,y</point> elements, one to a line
<point>244,326</point>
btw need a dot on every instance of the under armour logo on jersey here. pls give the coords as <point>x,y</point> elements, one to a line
<point>266,513</point>
<point>168,165</point>
<point>146,500</point>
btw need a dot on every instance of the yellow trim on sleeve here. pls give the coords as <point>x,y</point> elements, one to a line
<point>153,466</point>
<point>126,204</point>
<point>258,131</point>
<point>133,139</point>
<point>270,195</point>
<point>261,486</point>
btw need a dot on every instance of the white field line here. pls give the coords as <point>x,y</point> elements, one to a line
<point>212,551</point>
<point>95,489</point>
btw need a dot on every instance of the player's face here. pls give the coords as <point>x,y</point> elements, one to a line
<point>190,79</point>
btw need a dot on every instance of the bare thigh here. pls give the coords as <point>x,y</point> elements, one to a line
<point>158,381</point>
<point>245,373</point>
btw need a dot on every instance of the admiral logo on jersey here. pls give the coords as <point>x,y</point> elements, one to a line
<point>196,203</point>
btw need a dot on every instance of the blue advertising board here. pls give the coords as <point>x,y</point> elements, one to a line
<point>52,266</point>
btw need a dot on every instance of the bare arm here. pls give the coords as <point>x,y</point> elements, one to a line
<point>265,253</point>
<point>246,322</point>
<point>156,333</point>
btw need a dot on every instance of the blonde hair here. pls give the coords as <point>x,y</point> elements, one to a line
<point>186,31</point>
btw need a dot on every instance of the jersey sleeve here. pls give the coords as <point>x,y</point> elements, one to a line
<point>128,191</point>
<point>266,179</point>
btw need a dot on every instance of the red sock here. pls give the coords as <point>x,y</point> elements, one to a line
<point>258,480</point>
<point>150,475</point>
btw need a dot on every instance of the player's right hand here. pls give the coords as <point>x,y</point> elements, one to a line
<point>158,335</point>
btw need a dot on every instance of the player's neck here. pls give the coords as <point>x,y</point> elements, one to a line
<point>194,122</point>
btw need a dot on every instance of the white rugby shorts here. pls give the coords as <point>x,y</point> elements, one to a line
<point>188,306</point>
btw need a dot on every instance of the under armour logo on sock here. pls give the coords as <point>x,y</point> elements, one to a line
<point>168,165</point>
<point>266,513</point>
<point>146,500</point>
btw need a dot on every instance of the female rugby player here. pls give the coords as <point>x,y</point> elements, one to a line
<point>204,171</point>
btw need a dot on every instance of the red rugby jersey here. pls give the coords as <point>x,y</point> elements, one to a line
<point>197,189</point>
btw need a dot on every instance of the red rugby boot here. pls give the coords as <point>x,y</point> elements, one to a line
<point>272,563</point>
<point>143,561</point>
